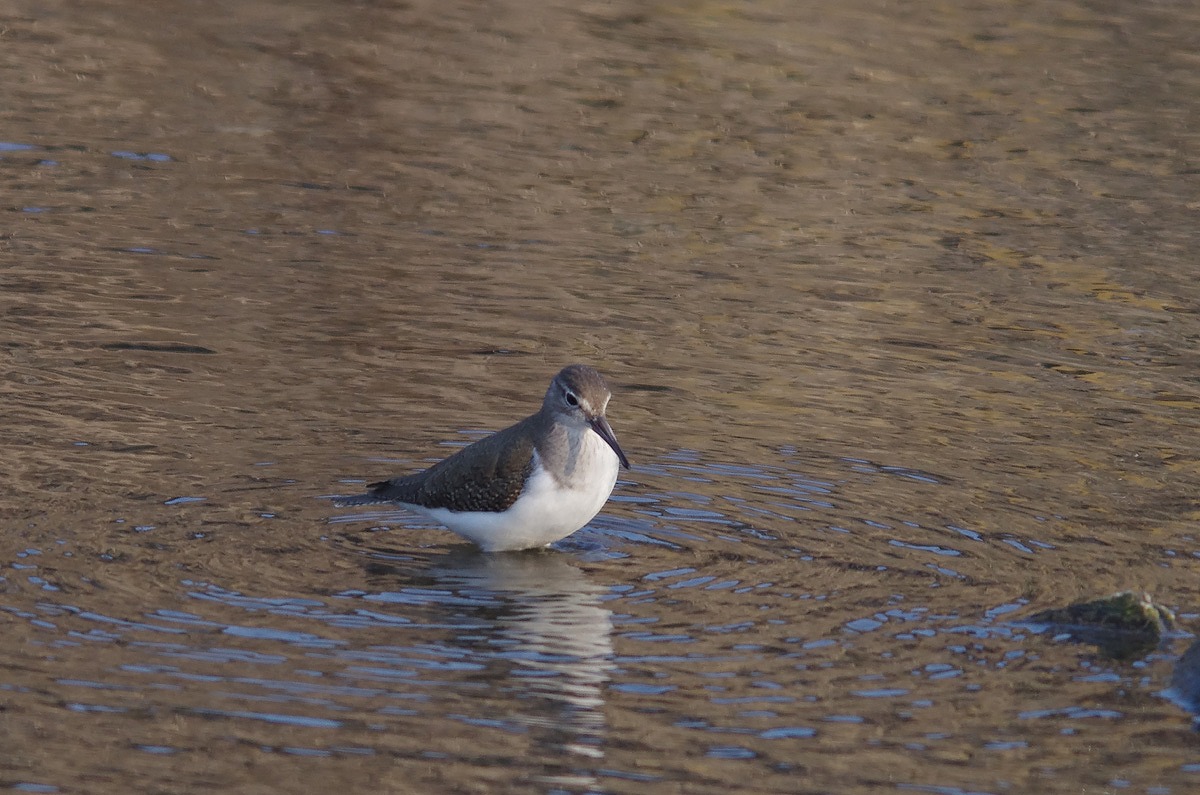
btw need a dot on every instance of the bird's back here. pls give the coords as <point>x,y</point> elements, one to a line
<point>487,475</point>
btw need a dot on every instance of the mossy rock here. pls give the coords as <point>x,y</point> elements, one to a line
<point>1125,625</point>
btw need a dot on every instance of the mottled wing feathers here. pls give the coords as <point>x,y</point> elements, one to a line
<point>485,476</point>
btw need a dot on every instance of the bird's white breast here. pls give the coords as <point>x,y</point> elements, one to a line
<point>547,510</point>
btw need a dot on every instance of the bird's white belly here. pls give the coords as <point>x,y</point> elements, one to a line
<point>546,511</point>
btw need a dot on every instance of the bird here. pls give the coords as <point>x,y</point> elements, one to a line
<point>527,486</point>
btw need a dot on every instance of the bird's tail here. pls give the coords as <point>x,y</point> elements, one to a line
<point>357,499</point>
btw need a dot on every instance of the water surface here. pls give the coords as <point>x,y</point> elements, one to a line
<point>899,304</point>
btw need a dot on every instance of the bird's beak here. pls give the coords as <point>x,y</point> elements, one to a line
<point>600,426</point>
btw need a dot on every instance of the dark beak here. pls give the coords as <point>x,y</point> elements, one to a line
<point>600,426</point>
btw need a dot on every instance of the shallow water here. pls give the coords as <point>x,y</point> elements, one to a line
<point>900,308</point>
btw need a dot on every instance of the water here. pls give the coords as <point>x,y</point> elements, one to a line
<point>900,307</point>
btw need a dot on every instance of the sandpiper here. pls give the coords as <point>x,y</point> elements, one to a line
<point>528,485</point>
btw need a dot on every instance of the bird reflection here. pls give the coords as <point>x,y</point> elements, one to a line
<point>543,622</point>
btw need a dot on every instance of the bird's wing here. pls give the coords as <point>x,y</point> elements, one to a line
<point>487,475</point>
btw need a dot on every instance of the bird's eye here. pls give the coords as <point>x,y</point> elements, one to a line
<point>571,399</point>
